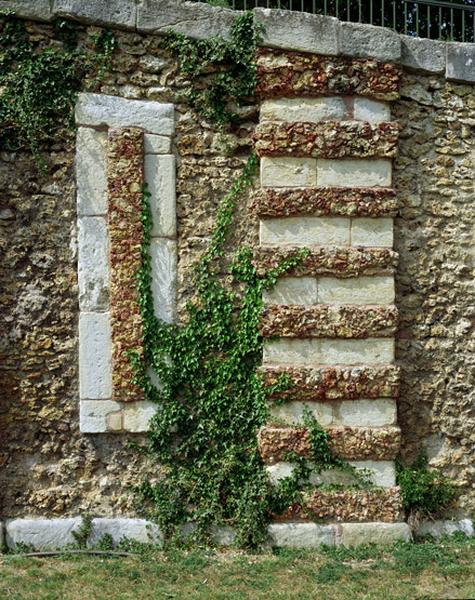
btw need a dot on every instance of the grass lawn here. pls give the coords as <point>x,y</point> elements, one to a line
<point>404,571</point>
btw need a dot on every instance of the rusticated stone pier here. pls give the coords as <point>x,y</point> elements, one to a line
<point>326,143</point>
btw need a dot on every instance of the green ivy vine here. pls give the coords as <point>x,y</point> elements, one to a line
<point>39,85</point>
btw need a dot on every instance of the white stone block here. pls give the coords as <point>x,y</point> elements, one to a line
<point>377,289</point>
<point>353,534</point>
<point>461,62</point>
<point>95,356</point>
<point>157,144</point>
<point>306,231</point>
<point>329,352</point>
<point>99,110</point>
<point>120,528</point>
<point>93,415</point>
<point>310,110</point>
<point>371,111</point>
<point>354,172</point>
<point>161,181</point>
<point>37,10</point>
<point>41,534</point>
<point>288,172</point>
<point>301,535</point>
<point>439,528</point>
<point>120,13</point>
<point>91,180</point>
<point>366,413</point>
<point>292,290</point>
<point>137,416</point>
<point>93,264</point>
<point>423,54</point>
<point>383,472</point>
<point>293,412</point>
<point>369,41</point>
<point>369,233</point>
<point>164,276</point>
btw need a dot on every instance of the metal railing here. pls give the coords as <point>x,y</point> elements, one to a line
<point>434,19</point>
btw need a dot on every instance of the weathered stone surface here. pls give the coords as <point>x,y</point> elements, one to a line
<point>382,472</point>
<point>335,383</point>
<point>461,62</point>
<point>292,290</point>
<point>439,528</point>
<point>120,13</point>
<point>340,262</point>
<point>368,41</point>
<point>366,413</point>
<point>353,534</point>
<point>311,110</point>
<point>30,9</point>
<point>137,415</point>
<point>327,352</point>
<point>120,528</point>
<point>358,290</point>
<point>301,535</point>
<point>157,144</point>
<point>361,202</point>
<point>93,264</point>
<point>111,111</point>
<point>328,321</point>
<point>423,54</point>
<point>94,415</point>
<point>164,276</point>
<point>372,232</point>
<point>290,74</point>
<point>95,351</point>
<point>299,31</point>
<point>91,181</point>
<point>125,179</point>
<point>161,181</point>
<point>354,173</point>
<point>371,111</point>
<point>327,139</point>
<point>42,534</point>
<point>305,231</point>
<point>348,443</point>
<point>288,172</point>
<point>347,505</point>
<point>292,413</point>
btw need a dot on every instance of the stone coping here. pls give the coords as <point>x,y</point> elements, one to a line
<point>286,30</point>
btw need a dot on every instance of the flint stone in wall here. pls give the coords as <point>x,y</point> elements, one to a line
<point>369,41</point>
<point>301,535</point>
<point>423,55</point>
<point>42,534</point>
<point>461,62</point>
<point>299,31</point>
<point>120,13</point>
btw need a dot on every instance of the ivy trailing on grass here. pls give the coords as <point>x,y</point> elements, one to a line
<point>39,85</point>
<point>222,72</point>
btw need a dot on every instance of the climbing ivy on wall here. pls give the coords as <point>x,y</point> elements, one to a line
<point>39,85</point>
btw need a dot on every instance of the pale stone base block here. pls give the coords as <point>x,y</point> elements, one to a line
<point>41,534</point>
<point>301,535</point>
<point>353,534</point>
<point>119,528</point>
<point>438,529</point>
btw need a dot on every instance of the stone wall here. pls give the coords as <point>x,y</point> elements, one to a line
<point>48,468</point>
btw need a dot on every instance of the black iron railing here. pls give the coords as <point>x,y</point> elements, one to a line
<point>434,19</point>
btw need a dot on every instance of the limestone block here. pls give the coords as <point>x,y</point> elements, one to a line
<point>292,290</point>
<point>288,172</point>
<point>352,534</point>
<point>94,415</point>
<point>119,528</point>
<point>383,472</point>
<point>161,181</point>
<point>371,111</point>
<point>354,172</point>
<point>327,352</point>
<point>299,31</point>
<point>438,529</point>
<point>304,109</point>
<point>137,416</point>
<point>368,41</point>
<point>301,535</point>
<point>95,376</point>
<point>39,10</point>
<point>93,264</point>
<point>42,534</point>
<point>164,275</point>
<point>91,181</point>
<point>461,62</point>
<point>378,289</point>
<point>121,13</point>
<point>157,144</point>
<point>99,110</point>
<point>367,232</point>
<point>366,413</point>
<point>306,231</point>
<point>293,412</point>
<point>423,54</point>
